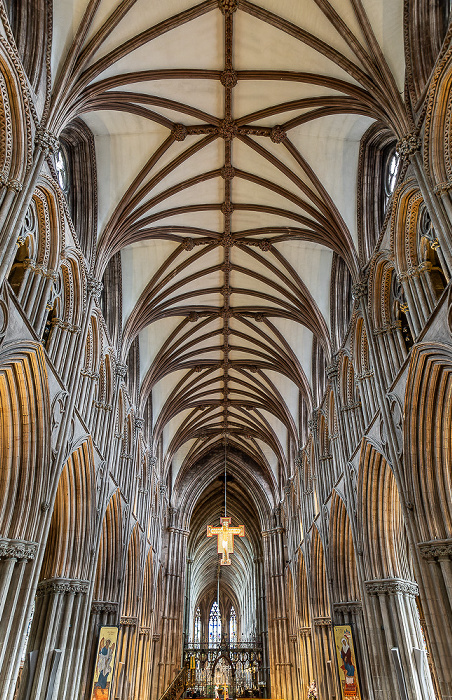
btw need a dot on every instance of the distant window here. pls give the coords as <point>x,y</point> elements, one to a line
<point>197,631</point>
<point>233,627</point>
<point>391,171</point>
<point>214,626</point>
<point>62,170</point>
<point>444,12</point>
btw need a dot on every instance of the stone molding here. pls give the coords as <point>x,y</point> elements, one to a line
<point>321,621</point>
<point>129,621</point>
<point>392,586</point>
<point>100,606</point>
<point>62,585</point>
<point>17,549</point>
<point>145,630</point>
<point>351,606</point>
<point>435,549</point>
<point>305,631</point>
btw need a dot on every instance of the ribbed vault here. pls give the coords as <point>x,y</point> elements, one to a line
<point>227,137</point>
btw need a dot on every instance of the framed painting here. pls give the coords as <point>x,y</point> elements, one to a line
<point>346,661</point>
<point>105,661</point>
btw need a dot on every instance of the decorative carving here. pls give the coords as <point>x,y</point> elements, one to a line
<point>350,606</point>
<point>46,141</point>
<point>228,172</point>
<point>179,132</point>
<point>435,549</point>
<point>408,145</point>
<point>188,244</point>
<point>227,7</point>
<point>322,621</point>
<point>227,129</point>
<point>228,78</point>
<point>278,134</point>
<point>129,621</point>
<point>62,585</point>
<point>392,586</point>
<point>106,606</point>
<point>95,287</point>
<point>227,208</point>
<point>17,549</point>
<point>121,370</point>
<point>360,290</point>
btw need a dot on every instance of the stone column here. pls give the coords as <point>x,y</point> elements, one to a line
<point>282,670</point>
<point>436,567</point>
<point>351,613</point>
<point>17,576</point>
<point>103,613</point>
<point>395,622</point>
<point>57,630</point>
<point>168,648</point>
<point>324,657</point>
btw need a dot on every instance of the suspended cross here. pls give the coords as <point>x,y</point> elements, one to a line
<point>225,540</point>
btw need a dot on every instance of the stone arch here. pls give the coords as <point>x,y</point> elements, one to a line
<point>25,439</point>
<point>427,441</point>
<point>70,539</point>
<point>345,583</point>
<point>132,575</point>
<point>380,518</point>
<point>437,139</point>
<point>15,126</point>
<point>110,552</point>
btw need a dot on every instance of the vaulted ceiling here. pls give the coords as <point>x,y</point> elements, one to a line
<point>227,140</point>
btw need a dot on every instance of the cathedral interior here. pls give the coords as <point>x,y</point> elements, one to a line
<point>225,349</point>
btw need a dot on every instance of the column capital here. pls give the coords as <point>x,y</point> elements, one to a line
<point>360,289</point>
<point>129,621</point>
<point>435,549</point>
<point>100,606</point>
<point>62,585</point>
<point>351,606</point>
<point>392,586</point>
<point>408,145</point>
<point>17,549</point>
<point>321,621</point>
<point>46,140</point>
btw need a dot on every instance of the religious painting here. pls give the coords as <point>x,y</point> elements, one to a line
<point>346,660</point>
<point>105,659</point>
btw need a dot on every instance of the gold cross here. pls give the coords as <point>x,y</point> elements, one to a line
<point>225,540</point>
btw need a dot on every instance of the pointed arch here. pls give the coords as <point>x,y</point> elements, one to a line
<point>110,552</point>
<point>344,575</point>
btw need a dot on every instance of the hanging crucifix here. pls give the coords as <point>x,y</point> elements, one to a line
<point>225,533</point>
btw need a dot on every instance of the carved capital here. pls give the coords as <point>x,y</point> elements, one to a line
<point>332,370</point>
<point>228,172</point>
<point>360,290</point>
<point>62,585</point>
<point>121,370</point>
<point>17,549</point>
<point>139,423</point>
<point>107,606</point>
<point>435,549</point>
<point>322,621</point>
<point>129,621</point>
<point>350,606</point>
<point>46,141</point>
<point>408,145</point>
<point>95,287</point>
<point>392,586</point>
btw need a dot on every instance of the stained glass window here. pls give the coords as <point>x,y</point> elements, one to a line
<point>214,626</point>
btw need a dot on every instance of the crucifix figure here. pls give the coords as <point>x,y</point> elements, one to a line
<point>225,540</point>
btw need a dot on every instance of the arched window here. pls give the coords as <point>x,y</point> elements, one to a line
<point>197,627</point>
<point>377,180</point>
<point>232,627</point>
<point>390,173</point>
<point>63,169</point>
<point>214,625</point>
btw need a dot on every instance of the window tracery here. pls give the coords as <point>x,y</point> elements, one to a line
<point>214,625</point>
<point>63,170</point>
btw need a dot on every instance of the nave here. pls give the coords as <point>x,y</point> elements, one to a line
<point>225,349</point>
